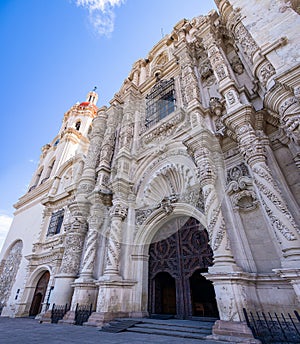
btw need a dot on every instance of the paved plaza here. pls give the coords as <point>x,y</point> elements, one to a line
<point>26,330</point>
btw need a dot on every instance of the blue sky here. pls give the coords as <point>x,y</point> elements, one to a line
<point>52,53</point>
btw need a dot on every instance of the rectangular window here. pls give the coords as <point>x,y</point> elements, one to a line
<point>160,102</point>
<point>56,222</point>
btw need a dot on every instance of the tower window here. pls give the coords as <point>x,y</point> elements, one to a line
<point>56,222</point>
<point>160,102</point>
<point>77,125</point>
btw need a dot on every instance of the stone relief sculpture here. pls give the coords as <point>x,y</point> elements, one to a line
<point>8,271</point>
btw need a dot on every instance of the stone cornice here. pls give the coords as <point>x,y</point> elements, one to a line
<point>34,194</point>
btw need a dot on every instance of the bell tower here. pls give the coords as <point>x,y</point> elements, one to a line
<point>72,139</point>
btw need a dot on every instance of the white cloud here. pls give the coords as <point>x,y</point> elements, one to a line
<point>5,222</point>
<point>101,14</point>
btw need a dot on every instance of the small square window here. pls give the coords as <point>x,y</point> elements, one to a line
<point>56,222</point>
<point>160,102</point>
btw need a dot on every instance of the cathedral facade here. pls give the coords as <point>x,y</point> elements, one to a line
<point>182,196</point>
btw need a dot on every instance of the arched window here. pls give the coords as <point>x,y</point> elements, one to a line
<point>37,179</point>
<point>77,125</point>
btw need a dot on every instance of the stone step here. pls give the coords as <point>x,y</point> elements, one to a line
<point>171,333</point>
<point>119,326</point>
<point>201,330</point>
<point>195,323</point>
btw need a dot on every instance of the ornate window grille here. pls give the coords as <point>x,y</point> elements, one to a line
<point>160,102</point>
<point>56,222</point>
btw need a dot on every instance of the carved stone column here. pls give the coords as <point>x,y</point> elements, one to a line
<point>218,236</point>
<point>74,240</point>
<point>79,209</point>
<point>188,79</point>
<point>118,213</point>
<point>224,270</point>
<point>85,289</point>
<point>285,228</point>
<point>107,147</point>
<point>87,181</point>
<point>283,102</point>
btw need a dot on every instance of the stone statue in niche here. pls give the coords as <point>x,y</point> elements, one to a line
<point>240,188</point>
<point>216,106</point>
<point>237,65</point>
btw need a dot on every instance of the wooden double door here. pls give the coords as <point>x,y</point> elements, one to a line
<point>176,264</point>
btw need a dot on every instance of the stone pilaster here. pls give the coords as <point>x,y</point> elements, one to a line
<point>188,79</point>
<point>107,147</point>
<point>280,218</point>
<point>224,264</point>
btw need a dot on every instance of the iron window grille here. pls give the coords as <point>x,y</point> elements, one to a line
<point>56,222</point>
<point>160,102</point>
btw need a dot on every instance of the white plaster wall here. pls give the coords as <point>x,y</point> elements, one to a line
<point>25,226</point>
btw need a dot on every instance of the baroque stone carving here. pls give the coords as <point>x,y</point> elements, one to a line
<point>245,40</point>
<point>171,179</point>
<point>275,207</point>
<point>8,271</point>
<point>265,72</point>
<point>216,106</point>
<point>237,65</point>
<point>72,254</point>
<point>240,188</point>
<point>165,129</point>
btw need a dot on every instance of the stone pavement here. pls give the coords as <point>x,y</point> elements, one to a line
<point>30,331</point>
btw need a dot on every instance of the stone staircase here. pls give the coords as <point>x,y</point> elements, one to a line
<point>194,329</point>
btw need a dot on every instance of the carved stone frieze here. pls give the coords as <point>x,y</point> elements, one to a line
<point>165,129</point>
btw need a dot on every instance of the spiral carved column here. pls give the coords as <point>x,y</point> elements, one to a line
<point>118,214</point>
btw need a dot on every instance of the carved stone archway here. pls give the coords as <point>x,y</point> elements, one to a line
<point>39,294</point>
<point>178,254</point>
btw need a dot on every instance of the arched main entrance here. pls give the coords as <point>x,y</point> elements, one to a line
<point>39,294</point>
<point>176,264</point>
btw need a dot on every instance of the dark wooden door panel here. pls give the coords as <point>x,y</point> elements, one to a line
<point>180,255</point>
